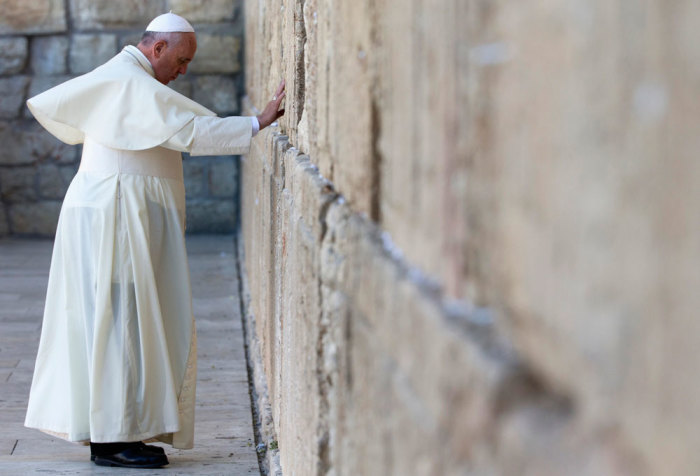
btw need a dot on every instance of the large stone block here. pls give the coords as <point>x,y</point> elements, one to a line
<point>35,219</point>
<point>216,53</point>
<point>18,184</point>
<point>182,85</point>
<point>13,55</point>
<point>49,55</point>
<point>12,95</point>
<point>194,170</point>
<point>218,93</point>
<point>24,143</point>
<point>39,84</point>
<point>32,16</point>
<point>132,39</point>
<point>4,224</point>
<point>89,14</point>
<point>89,51</point>
<point>223,177</point>
<point>204,11</point>
<point>210,216</point>
<point>54,180</point>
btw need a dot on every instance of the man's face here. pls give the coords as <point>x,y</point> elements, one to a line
<point>171,58</point>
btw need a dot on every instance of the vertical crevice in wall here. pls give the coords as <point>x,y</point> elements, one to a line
<point>325,340</point>
<point>375,120</point>
<point>299,68</point>
<point>376,176</point>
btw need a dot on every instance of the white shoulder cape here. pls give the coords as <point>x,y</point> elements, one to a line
<point>119,105</point>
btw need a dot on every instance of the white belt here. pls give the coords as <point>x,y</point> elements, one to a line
<point>156,162</point>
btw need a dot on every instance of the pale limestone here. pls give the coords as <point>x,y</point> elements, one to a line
<point>12,95</point>
<point>53,181</point>
<point>216,53</point>
<point>13,55</point>
<point>210,216</point>
<point>511,163</point>
<point>223,175</point>
<point>130,39</point>
<point>89,14</point>
<point>32,16</point>
<point>218,93</point>
<point>194,170</point>
<point>204,11</point>
<point>37,219</point>
<point>4,225</point>
<point>49,55</point>
<point>28,144</point>
<point>18,184</point>
<point>182,85</point>
<point>89,51</point>
<point>39,84</point>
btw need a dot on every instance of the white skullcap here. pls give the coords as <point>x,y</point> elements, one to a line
<point>169,22</point>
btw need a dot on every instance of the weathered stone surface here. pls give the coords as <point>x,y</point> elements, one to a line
<point>19,184</point>
<point>565,220</point>
<point>38,85</point>
<point>194,170</point>
<point>223,177</point>
<point>218,93</point>
<point>24,143</point>
<point>88,14</point>
<point>216,53</point>
<point>49,55</point>
<point>32,16</point>
<point>38,219</point>
<point>210,216</point>
<point>4,224</point>
<point>204,11</point>
<point>130,39</point>
<point>89,51</point>
<point>53,181</point>
<point>13,55</point>
<point>48,59</point>
<point>182,85</point>
<point>12,95</point>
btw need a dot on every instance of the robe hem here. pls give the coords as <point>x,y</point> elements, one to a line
<point>162,436</point>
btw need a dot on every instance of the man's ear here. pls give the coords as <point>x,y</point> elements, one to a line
<point>159,48</point>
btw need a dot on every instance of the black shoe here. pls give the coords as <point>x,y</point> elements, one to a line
<point>141,445</point>
<point>132,457</point>
<point>152,448</point>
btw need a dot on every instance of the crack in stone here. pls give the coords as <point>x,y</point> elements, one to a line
<point>299,68</point>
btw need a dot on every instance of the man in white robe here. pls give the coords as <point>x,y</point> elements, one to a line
<point>117,357</point>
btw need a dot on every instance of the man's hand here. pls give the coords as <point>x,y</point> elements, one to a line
<point>272,111</point>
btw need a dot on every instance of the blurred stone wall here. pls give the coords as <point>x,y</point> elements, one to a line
<point>472,245</point>
<point>46,42</point>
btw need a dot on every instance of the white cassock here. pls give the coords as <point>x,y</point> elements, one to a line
<point>117,356</point>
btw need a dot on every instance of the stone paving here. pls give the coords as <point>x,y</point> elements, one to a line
<point>223,433</point>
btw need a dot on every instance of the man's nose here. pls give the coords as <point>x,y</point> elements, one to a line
<point>183,69</point>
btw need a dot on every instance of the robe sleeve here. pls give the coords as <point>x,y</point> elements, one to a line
<point>206,135</point>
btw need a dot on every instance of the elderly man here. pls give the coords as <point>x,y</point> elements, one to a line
<point>117,358</point>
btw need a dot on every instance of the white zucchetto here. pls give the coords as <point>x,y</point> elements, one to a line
<point>169,23</point>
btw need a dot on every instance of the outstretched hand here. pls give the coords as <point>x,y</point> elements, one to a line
<point>272,110</point>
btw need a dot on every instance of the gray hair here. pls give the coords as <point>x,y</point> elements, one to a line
<point>150,37</point>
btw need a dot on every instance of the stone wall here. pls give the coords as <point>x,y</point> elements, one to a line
<point>472,246</point>
<point>46,42</point>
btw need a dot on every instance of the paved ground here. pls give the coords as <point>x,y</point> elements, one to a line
<point>223,437</point>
